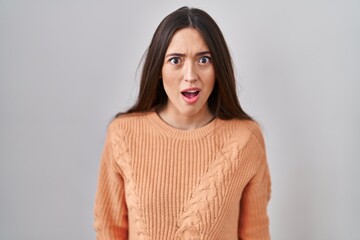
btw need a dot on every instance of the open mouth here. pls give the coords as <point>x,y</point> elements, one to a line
<point>190,94</point>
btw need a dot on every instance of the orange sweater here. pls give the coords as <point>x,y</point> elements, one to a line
<point>158,182</point>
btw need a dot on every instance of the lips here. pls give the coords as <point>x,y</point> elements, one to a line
<point>190,95</point>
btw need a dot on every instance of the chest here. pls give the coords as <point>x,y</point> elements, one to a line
<point>185,184</point>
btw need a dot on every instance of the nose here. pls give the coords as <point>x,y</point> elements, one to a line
<point>190,73</point>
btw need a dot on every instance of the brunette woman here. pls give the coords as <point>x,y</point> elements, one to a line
<point>185,162</point>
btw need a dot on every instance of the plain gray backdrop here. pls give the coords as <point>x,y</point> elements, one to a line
<point>66,67</point>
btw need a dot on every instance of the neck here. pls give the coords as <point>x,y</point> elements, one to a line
<point>184,121</point>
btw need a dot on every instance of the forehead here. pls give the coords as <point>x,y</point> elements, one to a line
<point>187,40</point>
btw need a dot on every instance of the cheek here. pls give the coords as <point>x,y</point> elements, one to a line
<point>209,81</point>
<point>169,79</point>
<point>170,86</point>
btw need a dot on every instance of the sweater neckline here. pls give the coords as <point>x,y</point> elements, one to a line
<point>170,131</point>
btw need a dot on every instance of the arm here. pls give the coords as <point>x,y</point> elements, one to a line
<point>254,222</point>
<point>111,220</point>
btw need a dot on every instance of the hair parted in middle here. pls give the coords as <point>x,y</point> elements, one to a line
<point>223,101</point>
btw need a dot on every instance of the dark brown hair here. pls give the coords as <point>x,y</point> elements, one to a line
<point>223,101</point>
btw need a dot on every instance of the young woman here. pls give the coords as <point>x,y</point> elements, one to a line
<point>185,162</point>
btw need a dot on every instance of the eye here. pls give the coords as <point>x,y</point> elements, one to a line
<point>175,60</point>
<point>204,60</point>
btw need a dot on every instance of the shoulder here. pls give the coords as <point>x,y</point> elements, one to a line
<point>246,130</point>
<point>124,125</point>
<point>126,121</point>
<point>254,130</point>
<point>121,127</point>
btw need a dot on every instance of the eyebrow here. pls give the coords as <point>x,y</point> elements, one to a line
<point>183,54</point>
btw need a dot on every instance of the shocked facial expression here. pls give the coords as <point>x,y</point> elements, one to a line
<point>188,74</point>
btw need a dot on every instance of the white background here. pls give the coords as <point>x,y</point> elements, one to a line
<point>66,67</point>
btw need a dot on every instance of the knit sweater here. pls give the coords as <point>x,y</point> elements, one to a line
<point>158,182</point>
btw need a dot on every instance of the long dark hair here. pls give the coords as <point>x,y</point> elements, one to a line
<point>223,101</point>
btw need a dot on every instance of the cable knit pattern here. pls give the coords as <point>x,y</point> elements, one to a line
<point>213,185</point>
<point>157,182</point>
<point>123,159</point>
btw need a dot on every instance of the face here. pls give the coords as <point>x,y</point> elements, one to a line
<point>188,74</point>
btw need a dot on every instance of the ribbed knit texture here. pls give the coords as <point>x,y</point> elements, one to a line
<point>158,182</point>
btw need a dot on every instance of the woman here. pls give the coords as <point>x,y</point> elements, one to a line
<point>185,162</point>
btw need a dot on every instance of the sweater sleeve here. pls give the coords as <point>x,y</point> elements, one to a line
<point>111,220</point>
<point>254,222</point>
